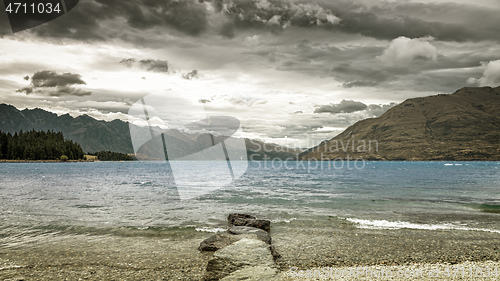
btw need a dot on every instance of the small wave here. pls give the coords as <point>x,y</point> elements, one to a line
<point>384,224</point>
<point>210,229</point>
<point>283,220</point>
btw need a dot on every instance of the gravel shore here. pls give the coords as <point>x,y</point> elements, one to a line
<point>302,245</point>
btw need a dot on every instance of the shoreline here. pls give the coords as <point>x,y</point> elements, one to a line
<point>174,256</point>
<point>45,161</point>
<point>478,270</point>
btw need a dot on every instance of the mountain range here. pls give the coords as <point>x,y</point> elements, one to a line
<point>98,135</point>
<point>464,125</point>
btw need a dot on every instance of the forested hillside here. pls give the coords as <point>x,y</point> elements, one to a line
<point>33,145</point>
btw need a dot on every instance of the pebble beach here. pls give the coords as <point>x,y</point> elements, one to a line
<point>304,248</point>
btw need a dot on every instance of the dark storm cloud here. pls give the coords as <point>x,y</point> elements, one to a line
<point>53,84</point>
<point>345,106</point>
<point>93,20</point>
<point>82,23</point>
<point>148,64</point>
<point>379,19</point>
<point>443,21</point>
<point>277,15</point>
<point>47,78</point>
<point>97,19</point>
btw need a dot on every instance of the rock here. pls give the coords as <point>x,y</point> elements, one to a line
<point>218,241</point>
<point>274,252</point>
<point>243,253</point>
<point>260,234</point>
<point>248,220</point>
<point>247,252</point>
<point>262,224</point>
<point>255,273</point>
<point>232,217</point>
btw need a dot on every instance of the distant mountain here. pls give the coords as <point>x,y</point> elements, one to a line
<point>97,135</point>
<point>92,135</point>
<point>462,126</point>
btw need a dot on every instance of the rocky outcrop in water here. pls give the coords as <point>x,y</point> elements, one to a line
<point>243,252</point>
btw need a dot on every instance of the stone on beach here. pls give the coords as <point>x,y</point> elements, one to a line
<point>259,233</point>
<point>218,241</point>
<point>248,220</point>
<point>243,253</point>
<point>232,217</point>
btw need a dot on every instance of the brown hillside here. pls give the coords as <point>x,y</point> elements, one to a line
<point>462,126</point>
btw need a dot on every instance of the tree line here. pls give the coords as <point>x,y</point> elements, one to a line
<point>34,145</point>
<point>111,156</point>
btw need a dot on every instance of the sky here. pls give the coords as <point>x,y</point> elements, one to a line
<point>293,72</point>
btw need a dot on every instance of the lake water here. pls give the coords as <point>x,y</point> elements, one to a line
<point>43,199</point>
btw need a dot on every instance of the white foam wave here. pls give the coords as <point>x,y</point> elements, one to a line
<point>210,229</point>
<point>384,224</point>
<point>283,220</point>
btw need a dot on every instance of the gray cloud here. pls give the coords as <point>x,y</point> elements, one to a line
<point>277,15</point>
<point>190,75</point>
<point>148,64</point>
<point>377,110</point>
<point>445,21</point>
<point>155,65</point>
<point>345,106</point>
<point>491,75</point>
<point>350,106</point>
<point>51,83</point>
<point>47,78</point>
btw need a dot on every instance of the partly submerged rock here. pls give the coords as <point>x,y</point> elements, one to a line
<point>243,253</point>
<point>260,234</point>
<point>218,241</point>
<point>262,224</point>
<point>248,220</point>
<point>232,217</point>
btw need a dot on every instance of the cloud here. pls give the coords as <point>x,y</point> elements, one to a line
<point>155,65</point>
<point>47,78</point>
<point>359,83</point>
<point>404,50</point>
<point>379,109</point>
<point>446,21</point>
<point>276,15</point>
<point>491,75</point>
<point>345,106</point>
<point>190,75</point>
<point>105,19</point>
<point>85,21</point>
<point>148,64</point>
<point>51,83</point>
<point>350,106</point>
